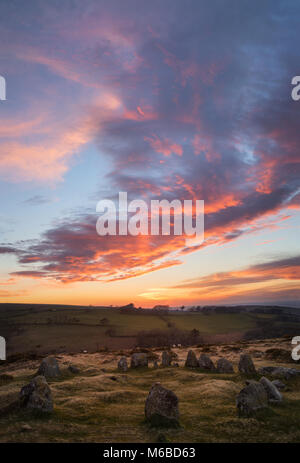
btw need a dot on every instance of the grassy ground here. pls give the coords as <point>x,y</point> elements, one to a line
<point>50,328</point>
<point>102,405</point>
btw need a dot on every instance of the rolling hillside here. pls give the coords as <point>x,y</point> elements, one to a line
<point>49,328</point>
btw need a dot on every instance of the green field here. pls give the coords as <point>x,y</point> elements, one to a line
<point>212,324</point>
<point>49,328</point>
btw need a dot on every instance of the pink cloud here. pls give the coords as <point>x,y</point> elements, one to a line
<point>164,146</point>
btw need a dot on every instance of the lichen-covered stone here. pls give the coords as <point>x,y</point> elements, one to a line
<point>139,360</point>
<point>191,360</point>
<point>49,368</point>
<point>166,358</point>
<point>274,395</point>
<point>161,408</point>
<point>251,398</point>
<point>206,363</point>
<point>37,395</point>
<point>246,365</point>
<point>224,366</point>
<point>122,364</point>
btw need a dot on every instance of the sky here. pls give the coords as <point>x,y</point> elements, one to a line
<point>163,100</point>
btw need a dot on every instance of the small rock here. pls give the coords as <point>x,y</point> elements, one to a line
<point>283,372</point>
<point>266,370</point>
<point>91,371</point>
<point>224,366</point>
<point>246,365</point>
<point>166,359</point>
<point>191,360</point>
<point>279,372</point>
<point>161,408</point>
<point>73,369</point>
<point>49,368</point>
<point>274,395</point>
<point>139,360</point>
<point>279,384</point>
<point>123,365</point>
<point>206,363</point>
<point>37,395</point>
<point>251,398</point>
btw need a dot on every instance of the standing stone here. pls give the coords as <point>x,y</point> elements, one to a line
<point>206,363</point>
<point>122,364</point>
<point>139,360</point>
<point>49,368</point>
<point>37,395</point>
<point>273,394</point>
<point>246,365</point>
<point>191,360</point>
<point>161,408</point>
<point>252,398</point>
<point>166,358</point>
<point>224,366</point>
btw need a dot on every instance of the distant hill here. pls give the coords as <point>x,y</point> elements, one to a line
<point>44,328</point>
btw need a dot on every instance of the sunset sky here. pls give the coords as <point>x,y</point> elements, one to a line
<point>161,99</point>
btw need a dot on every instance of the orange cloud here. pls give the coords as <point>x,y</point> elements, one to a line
<point>250,284</point>
<point>202,144</point>
<point>165,146</point>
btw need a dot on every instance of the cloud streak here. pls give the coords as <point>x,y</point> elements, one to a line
<point>276,279</point>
